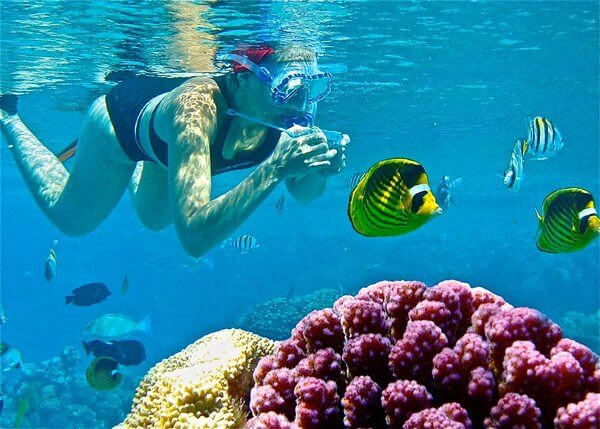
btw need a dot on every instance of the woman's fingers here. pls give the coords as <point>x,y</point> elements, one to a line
<point>307,151</point>
<point>327,156</point>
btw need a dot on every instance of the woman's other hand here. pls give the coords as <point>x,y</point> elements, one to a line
<point>302,155</point>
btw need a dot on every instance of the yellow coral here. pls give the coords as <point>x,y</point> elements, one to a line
<point>203,386</point>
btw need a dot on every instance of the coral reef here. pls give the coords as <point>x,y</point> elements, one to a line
<point>275,319</point>
<point>583,327</point>
<point>206,384</point>
<point>402,355</point>
<point>55,394</point>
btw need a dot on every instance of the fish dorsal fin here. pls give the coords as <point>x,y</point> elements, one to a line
<point>539,216</point>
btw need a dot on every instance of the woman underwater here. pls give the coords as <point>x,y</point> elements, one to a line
<point>180,132</point>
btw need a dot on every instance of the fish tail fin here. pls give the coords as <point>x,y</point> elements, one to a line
<point>68,152</point>
<point>69,299</point>
<point>87,348</point>
<point>9,103</point>
<point>146,325</point>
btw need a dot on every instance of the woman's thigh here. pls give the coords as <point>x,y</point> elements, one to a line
<point>99,175</point>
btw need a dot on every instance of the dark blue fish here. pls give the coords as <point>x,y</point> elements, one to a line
<point>89,294</point>
<point>126,352</point>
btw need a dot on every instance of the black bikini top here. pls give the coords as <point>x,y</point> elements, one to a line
<point>218,163</point>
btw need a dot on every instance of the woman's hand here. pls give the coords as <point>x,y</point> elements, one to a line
<point>338,162</point>
<point>299,156</point>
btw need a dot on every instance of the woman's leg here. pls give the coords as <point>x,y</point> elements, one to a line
<point>77,201</point>
<point>149,190</point>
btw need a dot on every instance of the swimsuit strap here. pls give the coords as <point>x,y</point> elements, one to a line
<point>159,146</point>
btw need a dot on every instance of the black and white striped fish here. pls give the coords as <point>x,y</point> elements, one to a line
<point>513,175</point>
<point>243,243</point>
<point>355,179</point>
<point>280,205</point>
<point>543,139</point>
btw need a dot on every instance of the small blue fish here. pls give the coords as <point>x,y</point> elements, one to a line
<point>51,264</point>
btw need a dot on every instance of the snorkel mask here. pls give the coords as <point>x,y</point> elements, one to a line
<point>296,84</point>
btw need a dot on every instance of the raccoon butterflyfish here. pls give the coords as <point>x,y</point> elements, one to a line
<point>392,198</point>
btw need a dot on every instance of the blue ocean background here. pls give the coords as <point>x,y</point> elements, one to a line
<point>450,84</point>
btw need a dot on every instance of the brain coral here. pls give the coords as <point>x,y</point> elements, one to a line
<point>203,386</point>
<point>402,355</point>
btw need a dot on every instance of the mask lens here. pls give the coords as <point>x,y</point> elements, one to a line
<point>302,88</point>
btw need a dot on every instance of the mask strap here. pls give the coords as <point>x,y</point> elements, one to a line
<point>262,73</point>
<point>417,189</point>
<point>586,212</point>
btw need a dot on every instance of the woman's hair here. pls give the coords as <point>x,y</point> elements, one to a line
<point>292,53</point>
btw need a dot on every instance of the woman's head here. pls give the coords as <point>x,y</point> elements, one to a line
<point>281,82</point>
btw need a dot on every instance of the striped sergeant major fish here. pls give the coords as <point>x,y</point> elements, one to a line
<point>444,194</point>
<point>543,140</point>
<point>280,205</point>
<point>243,243</point>
<point>513,175</point>
<point>569,221</point>
<point>51,264</point>
<point>392,198</point>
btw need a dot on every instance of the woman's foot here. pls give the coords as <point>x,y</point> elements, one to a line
<point>8,105</point>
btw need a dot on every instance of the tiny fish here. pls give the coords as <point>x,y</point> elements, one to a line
<point>392,198</point>
<point>51,264</point>
<point>280,205</point>
<point>243,243</point>
<point>89,294</point>
<point>444,194</point>
<point>543,140</point>
<point>355,179</point>
<point>2,315</point>
<point>569,221</point>
<point>10,357</point>
<point>103,374</point>
<point>111,326</point>
<point>513,175</point>
<point>126,352</point>
<point>125,285</point>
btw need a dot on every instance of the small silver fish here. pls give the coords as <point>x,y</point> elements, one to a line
<point>125,285</point>
<point>280,205</point>
<point>10,357</point>
<point>51,263</point>
<point>445,191</point>
<point>513,175</point>
<point>2,315</point>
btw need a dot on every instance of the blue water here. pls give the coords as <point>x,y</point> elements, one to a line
<point>450,84</point>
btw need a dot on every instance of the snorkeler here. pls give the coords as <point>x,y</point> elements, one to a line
<point>167,137</point>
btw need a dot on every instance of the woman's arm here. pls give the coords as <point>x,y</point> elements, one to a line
<point>201,223</point>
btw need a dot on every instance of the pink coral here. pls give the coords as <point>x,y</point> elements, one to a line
<point>582,415</point>
<point>412,356</point>
<point>484,362</point>
<point>368,355</point>
<point>324,364</point>
<point>401,399</point>
<point>448,416</point>
<point>362,404</point>
<point>514,411</point>
<point>316,403</point>
<point>360,316</point>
